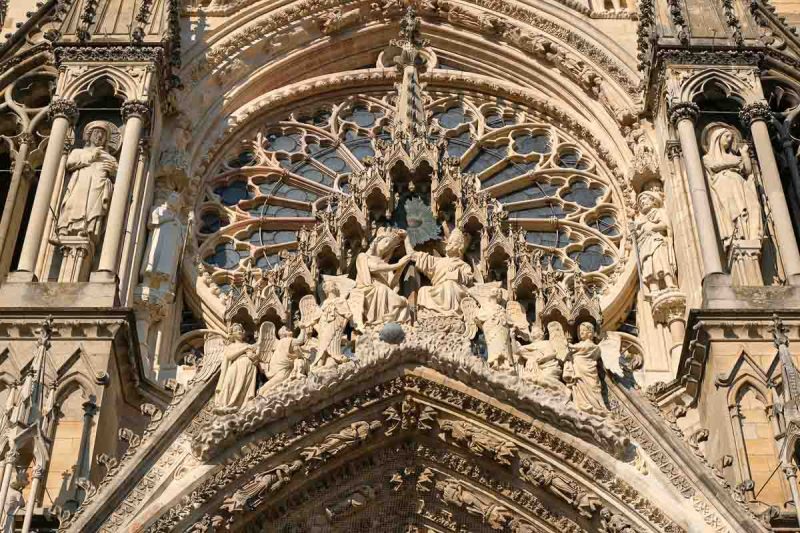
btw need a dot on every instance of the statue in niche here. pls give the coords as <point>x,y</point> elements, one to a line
<point>492,318</point>
<point>581,372</point>
<point>543,361</point>
<point>375,298</point>
<point>654,239</point>
<point>733,187</point>
<point>237,377</point>
<point>281,359</point>
<point>90,185</point>
<point>253,493</point>
<point>449,275</point>
<point>329,320</point>
<point>165,241</point>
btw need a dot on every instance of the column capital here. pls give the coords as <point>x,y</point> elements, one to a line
<point>683,110</point>
<point>755,111</point>
<point>789,471</point>
<point>673,149</point>
<point>63,108</point>
<point>89,408</point>
<point>135,108</point>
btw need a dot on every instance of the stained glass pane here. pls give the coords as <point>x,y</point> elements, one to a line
<point>531,192</point>
<point>310,172</point>
<point>269,210</point>
<point>211,223</point>
<point>233,193</point>
<point>270,237</point>
<point>546,211</point>
<point>320,118</point>
<point>245,158</point>
<point>526,144</point>
<point>552,239</point>
<point>335,163</point>
<point>452,118</point>
<point>267,260</point>
<point>362,116</point>
<point>591,258</point>
<point>483,160</point>
<point>571,159</point>
<point>606,224</point>
<point>582,194</point>
<point>458,146</point>
<point>513,170</point>
<point>225,256</point>
<point>284,143</point>
<point>498,121</point>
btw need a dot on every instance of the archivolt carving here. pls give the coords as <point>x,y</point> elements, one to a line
<point>333,15</point>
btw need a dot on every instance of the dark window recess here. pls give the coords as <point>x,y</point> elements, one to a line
<point>23,226</point>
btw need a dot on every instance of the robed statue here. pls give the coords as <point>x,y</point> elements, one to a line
<point>450,276</point>
<point>88,194</point>
<point>733,187</point>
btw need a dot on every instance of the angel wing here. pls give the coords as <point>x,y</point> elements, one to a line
<point>266,341</point>
<point>469,307</point>
<point>213,346</point>
<point>517,318</point>
<point>309,311</point>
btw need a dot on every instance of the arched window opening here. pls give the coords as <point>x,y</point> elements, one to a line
<point>761,454</point>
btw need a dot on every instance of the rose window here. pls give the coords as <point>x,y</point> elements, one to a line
<point>277,178</point>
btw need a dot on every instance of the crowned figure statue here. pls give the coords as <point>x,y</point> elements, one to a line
<point>449,275</point>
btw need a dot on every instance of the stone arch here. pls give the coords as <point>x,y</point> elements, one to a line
<point>121,81</point>
<point>735,84</point>
<point>524,474</point>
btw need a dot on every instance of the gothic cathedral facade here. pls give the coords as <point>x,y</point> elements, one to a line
<point>412,266</point>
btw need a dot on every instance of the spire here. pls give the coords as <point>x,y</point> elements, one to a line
<point>410,120</point>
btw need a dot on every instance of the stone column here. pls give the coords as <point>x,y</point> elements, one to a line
<point>8,469</point>
<point>790,471</point>
<point>30,505</point>
<point>64,113</point>
<point>756,116</point>
<point>20,165</point>
<point>682,116</point>
<point>134,114</point>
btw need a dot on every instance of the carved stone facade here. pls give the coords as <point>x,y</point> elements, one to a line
<point>427,266</point>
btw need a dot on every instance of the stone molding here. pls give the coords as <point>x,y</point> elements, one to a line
<point>755,111</point>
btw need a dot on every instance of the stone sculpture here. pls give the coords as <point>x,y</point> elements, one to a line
<point>374,298</point>
<point>164,242</point>
<point>86,200</point>
<point>491,513</point>
<point>581,372</point>
<point>733,187</point>
<point>282,359</point>
<point>253,493</point>
<point>334,443</point>
<point>479,441</point>
<point>542,364</point>
<point>329,320</point>
<point>654,240</point>
<point>493,320</point>
<point>449,276</point>
<point>237,379</point>
<point>544,476</point>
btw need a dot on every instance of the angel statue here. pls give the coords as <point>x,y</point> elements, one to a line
<point>542,363</point>
<point>88,193</point>
<point>581,372</point>
<point>449,275</point>
<point>280,359</point>
<point>238,370</point>
<point>375,298</point>
<point>733,188</point>
<point>328,320</point>
<point>491,316</point>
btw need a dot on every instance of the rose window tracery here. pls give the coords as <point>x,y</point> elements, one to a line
<point>278,177</point>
